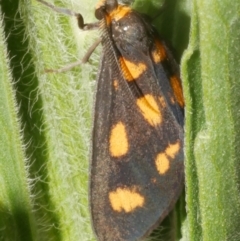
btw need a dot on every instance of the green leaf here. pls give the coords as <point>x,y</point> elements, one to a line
<point>210,71</point>
<point>56,131</point>
<point>16,218</point>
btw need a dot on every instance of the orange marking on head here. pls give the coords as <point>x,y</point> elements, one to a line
<point>130,70</point>
<point>162,163</point>
<point>162,160</point>
<point>149,109</point>
<point>177,90</point>
<point>125,199</point>
<point>118,142</point>
<point>113,14</point>
<point>159,53</point>
<point>120,12</point>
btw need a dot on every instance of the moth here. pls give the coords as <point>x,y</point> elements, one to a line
<point>137,160</point>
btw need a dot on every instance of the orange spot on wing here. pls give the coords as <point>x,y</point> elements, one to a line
<point>125,199</point>
<point>173,149</point>
<point>159,53</point>
<point>115,84</point>
<point>149,109</point>
<point>177,90</point>
<point>118,142</point>
<point>162,163</point>
<point>131,71</point>
<point>162,160</point>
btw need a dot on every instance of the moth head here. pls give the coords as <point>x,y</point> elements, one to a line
<point>105,7</point>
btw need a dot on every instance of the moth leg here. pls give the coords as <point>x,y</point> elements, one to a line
<point>82,26</point>
<point>78,16</point>
<point>77,63</point>
<point>90,51</point>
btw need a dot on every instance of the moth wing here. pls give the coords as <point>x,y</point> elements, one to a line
<point>137,156</point>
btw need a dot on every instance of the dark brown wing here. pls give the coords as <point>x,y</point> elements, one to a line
<point>137,168</point>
